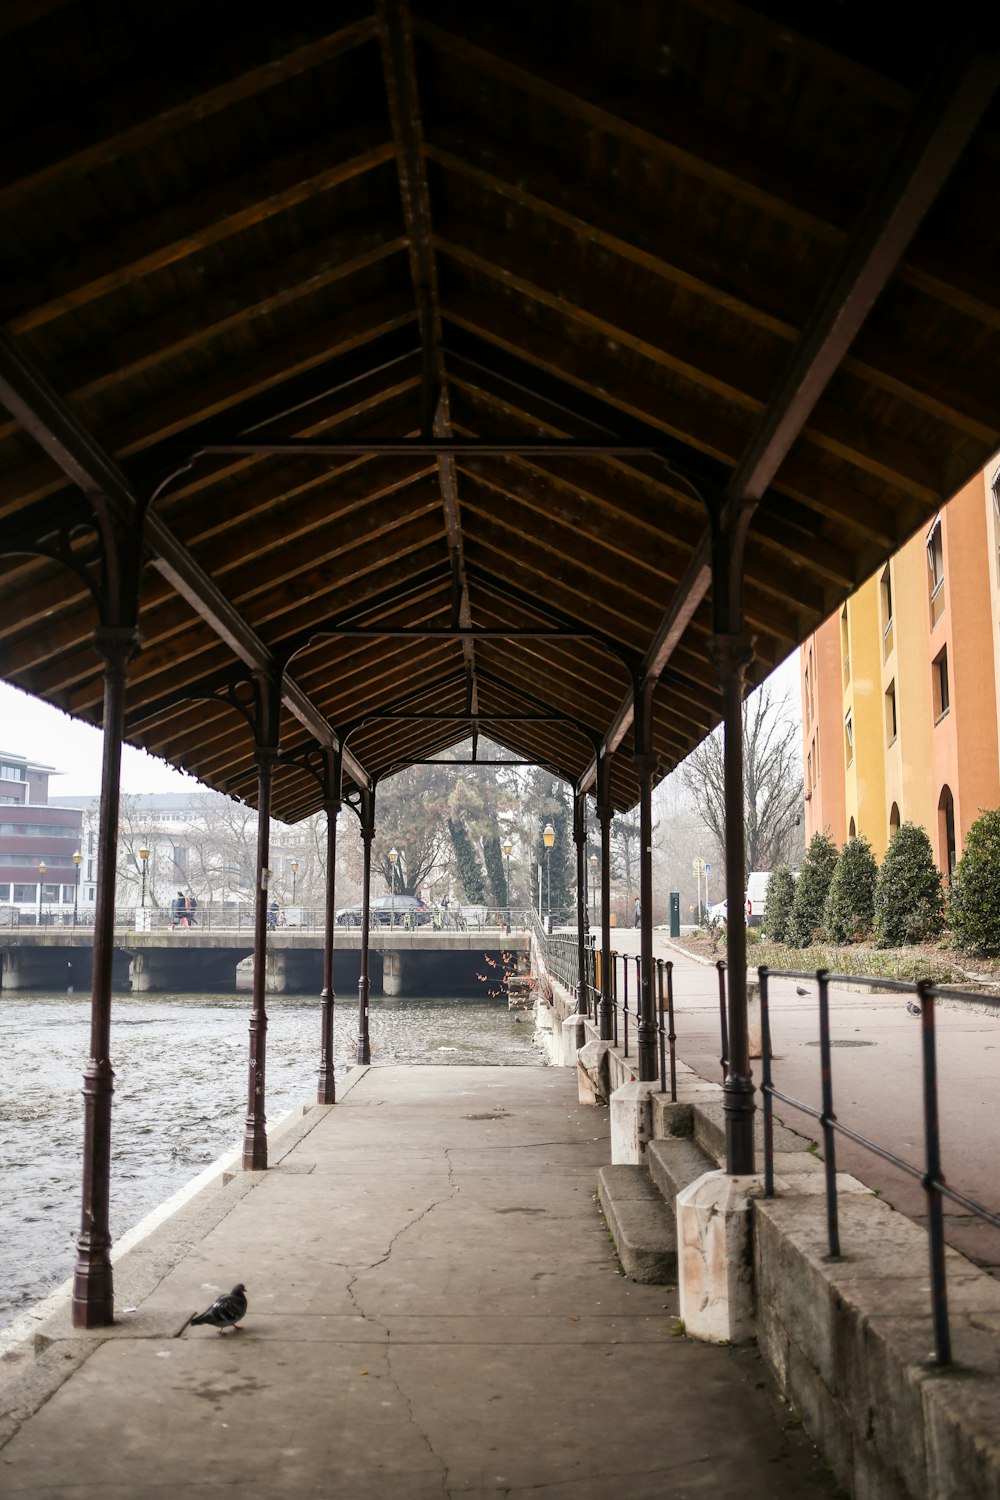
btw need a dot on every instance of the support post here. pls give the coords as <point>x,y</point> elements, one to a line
<point>326,1089</point>
<point>266,757</point>
<point>364,983</point>
<point>604,812</point>
<point>93,1281</point>
<point>645,768</point>
<point>580,840</point>
<point>732,651</point>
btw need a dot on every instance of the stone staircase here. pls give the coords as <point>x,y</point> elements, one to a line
<point>638,1201</point>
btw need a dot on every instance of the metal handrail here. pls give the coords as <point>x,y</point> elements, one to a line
<point>930,1176</point>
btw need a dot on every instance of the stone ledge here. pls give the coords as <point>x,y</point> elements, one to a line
<point>850,1340</point>
<point>675,1164</point>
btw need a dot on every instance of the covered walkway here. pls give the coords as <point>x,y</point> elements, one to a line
<point>435,1310</point>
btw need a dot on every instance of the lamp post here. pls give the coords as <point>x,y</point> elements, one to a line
<point>593,888</point>
<point>76,889</point>
<point>507,847</point>
<point>144,856</point>
<point>41,876</point>
<point>548,839</point>
<point>393,856</point>
<point>294,867</point>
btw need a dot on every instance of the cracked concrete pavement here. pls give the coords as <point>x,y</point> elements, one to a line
<point>435,1311</point>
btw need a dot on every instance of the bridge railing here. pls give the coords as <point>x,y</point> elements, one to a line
<point>232,917</point>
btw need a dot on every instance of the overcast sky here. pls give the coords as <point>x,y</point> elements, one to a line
<point>30,727</point>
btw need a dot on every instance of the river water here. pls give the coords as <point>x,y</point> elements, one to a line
<point>180,1097</point>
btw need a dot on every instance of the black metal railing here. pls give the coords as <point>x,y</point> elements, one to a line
<point>920,994</point>
<point>239,918</point>
<point>629,988</point>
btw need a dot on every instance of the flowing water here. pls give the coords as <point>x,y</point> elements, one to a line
<point>180,1097</point>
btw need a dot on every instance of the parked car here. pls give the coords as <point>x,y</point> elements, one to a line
<point>720,911</point>
<point>408,910</point>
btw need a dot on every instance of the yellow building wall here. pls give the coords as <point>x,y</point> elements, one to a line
<point>862,699</point>
<point>902,777</point>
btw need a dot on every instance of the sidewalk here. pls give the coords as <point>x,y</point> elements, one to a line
<point>435,1310</point>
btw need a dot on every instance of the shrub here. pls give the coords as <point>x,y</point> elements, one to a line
<point>975,888</point>
<point>850,901</point>
<point>909,899</point>
<point>806,920</point>
<point>778,904</point>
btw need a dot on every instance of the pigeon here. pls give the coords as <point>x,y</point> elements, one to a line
<point>801,990</point>
<point>226,1311</point>
<point>912,1008</point>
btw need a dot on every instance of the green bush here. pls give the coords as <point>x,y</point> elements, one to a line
<point>975,888</point>
<point>806,921</point>
<point>850,901</point>
<point>909,898</point>
<point>778,904</point>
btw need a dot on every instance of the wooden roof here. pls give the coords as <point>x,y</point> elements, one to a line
<point>751,248</point>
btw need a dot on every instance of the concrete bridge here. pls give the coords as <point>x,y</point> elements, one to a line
<point>424,961</point>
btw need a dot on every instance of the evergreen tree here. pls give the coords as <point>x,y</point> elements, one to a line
<point>811,890</point>
<point>975,887</point>
<point>470,874</point>
<point>850,901</point>
<point>778,904</point>
<point>493,862</point>
<point>909,897</point>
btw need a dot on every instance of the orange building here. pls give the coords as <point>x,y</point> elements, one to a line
<point>901,689</point>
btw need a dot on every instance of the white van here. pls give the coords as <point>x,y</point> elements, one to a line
<point>757,895</point>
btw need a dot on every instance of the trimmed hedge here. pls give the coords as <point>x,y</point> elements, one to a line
<point>850,902</point>
<point>975,888</point>
<point>806,922</point>
<point>909,897</point>
<point>778,904</point>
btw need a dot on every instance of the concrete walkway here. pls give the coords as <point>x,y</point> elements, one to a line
<point>435,1310</point>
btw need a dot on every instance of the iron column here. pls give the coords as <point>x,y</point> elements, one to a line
<point>367,834</point>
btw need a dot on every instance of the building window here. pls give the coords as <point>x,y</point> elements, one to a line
<point>4,892</point>
<point>935,563</point>
<point>849,737</point>
<point>893,819</point>
<point>852,831</point>
<point>25,893</point>
<point>816,753</point>
<point>845,645</point>
<point>12,773</point>
<point>890,712</point>
<point>939,684</point>
<point>946,829</point>
<point>885,590</point>
<point>809,769</point>
<point>812,705</point>
<point>807,697</point>
<point>996,523</point>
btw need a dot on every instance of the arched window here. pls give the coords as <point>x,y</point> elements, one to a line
<point>893,819</point>
<point>946,829</point>
<point>852,831</point>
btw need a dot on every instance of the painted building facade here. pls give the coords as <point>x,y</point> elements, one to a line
<point>40,855</point>
<point>901,689</point>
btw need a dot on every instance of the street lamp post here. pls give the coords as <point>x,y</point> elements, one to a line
<point>548,839</point>
<point>144,856</point>
<point>41,877</point>
<point>393,856</point>
<point>593,888</point>
<point>76,889</point>
<point>294,867</point>
<point>507,847</point>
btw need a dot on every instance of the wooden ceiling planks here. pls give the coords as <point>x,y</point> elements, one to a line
<point>372,220</point>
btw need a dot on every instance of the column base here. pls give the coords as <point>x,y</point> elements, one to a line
<point>714,1257</point>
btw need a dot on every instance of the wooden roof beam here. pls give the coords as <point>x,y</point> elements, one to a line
<point>395,26</point>
<point>941,130</point>
<point>67,442</point>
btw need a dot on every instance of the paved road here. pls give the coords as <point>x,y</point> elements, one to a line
<point>877,1084</point>
<point>435,1311</point>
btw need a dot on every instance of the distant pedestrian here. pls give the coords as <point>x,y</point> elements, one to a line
<point>178,909</point>
<point>272,914</point>
<point>638,911</point>
<point>192,907</point>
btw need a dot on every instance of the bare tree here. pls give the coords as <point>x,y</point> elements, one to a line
<point>772,782</point>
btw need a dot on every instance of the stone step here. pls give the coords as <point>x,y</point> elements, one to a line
<point>641,1225</point>
<point>675,1163</point>
<point>710,1133</point>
